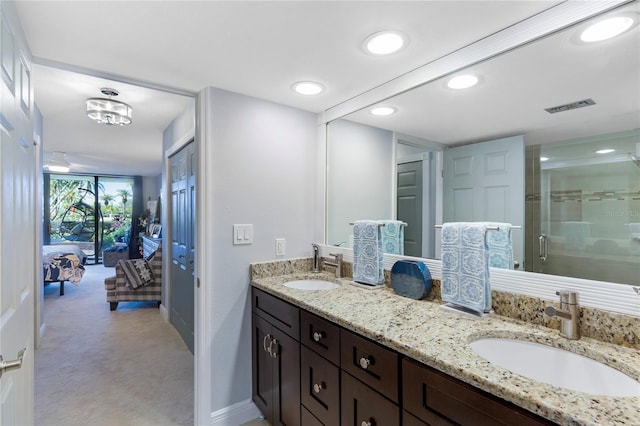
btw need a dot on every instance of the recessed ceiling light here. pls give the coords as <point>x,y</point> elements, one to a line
<point>58,169</point>
<point>605,151</point>
<point>606,29</point>
<point>544,159</point>
<point>308,88</point>
<point>462,81</point>
<point>383,110</point>
<point>384,42</point>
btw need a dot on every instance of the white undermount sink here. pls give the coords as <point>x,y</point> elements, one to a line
<point>311,285</point>
<point>556,366</point>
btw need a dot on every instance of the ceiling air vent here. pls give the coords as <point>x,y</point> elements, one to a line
<point>572,105</point>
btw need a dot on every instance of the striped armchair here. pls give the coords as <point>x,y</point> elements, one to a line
<point>119,291</point>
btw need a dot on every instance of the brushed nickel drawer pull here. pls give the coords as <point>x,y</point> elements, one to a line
<point>264,342</point>
<point>318,335</point>
<point>273,352</point>
<point>318,387</point>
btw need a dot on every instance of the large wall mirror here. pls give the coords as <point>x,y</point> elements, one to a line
<point>557,124</point>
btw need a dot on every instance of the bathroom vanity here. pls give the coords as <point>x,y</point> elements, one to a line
<point>370,357</point>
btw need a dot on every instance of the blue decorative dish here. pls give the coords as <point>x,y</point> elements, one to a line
<point>411,278</point>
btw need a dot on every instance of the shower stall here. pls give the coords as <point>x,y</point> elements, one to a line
<point>583,208</point>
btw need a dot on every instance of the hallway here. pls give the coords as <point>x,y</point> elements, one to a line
<point>95,367</point>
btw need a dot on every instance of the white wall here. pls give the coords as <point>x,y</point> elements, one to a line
<point>260,162</point>
<point>360,176</point>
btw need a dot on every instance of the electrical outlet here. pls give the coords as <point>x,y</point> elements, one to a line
<point>280,246</point>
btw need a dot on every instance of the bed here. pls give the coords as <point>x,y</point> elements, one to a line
<point>63,262</point>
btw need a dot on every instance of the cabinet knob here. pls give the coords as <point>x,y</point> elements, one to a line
<point>318,335</point>
<point>317,388</point>
<point>369,422</point>
<point>365,362</point>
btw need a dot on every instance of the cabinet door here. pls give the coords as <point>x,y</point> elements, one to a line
<point>286,377</point>
<point>361,405</point>
<point>262,365</point>
<point>308,419</point>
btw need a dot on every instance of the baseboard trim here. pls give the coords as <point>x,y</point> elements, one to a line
<point>235,414</point>
<point>164,313</point>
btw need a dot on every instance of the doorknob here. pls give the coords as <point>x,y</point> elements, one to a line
<point>12,365</point>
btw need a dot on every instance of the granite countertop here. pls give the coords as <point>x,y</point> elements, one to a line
<point>423,331</point>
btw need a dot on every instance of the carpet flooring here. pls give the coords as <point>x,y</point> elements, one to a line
<point>95,367</point>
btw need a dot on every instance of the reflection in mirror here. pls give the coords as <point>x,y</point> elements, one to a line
<point>567,99</point>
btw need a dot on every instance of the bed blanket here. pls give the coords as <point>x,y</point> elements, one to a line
<point>62,267</point>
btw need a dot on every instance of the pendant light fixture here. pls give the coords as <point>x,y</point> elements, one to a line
<point>107,110</point>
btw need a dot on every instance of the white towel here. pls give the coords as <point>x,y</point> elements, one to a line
<point>392,233</point>
<point>500,246</point>
<point>367,253</point>
<point>465,266</point>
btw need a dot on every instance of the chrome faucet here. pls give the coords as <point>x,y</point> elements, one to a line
<point>316,258</point>
<point>337,264</point>
<point>568,313</point>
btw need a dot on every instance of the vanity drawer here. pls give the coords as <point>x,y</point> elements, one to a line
<point>430,394</point>
<point>361,405</point>
<point>320,387</point>
<point>321,336</point>
<point>409,419</point>
<point>371,363</point>
<point>308,419</point>
<point>283,315</point>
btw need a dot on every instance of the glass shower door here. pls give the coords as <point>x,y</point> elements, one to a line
<point>583,208</point>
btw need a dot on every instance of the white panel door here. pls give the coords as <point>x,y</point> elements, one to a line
<point>18,217</point>
<point>485,182</point>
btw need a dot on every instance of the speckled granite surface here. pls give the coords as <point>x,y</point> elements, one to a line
<point>423,331</point>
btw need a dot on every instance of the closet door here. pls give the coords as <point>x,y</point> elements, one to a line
<point>181,276</point>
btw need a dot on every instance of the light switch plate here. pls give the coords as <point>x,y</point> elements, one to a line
<point>242,234</point>
<point>280,246</point>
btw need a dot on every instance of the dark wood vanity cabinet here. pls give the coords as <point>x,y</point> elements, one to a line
<point>311,372</point>
<point>275,359</point>
<point>439,399</point>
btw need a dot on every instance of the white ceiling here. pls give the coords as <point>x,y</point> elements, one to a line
<point>254,48</point>
<point>516,87</point>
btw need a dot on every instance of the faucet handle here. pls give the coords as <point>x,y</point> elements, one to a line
<point>568,296</point>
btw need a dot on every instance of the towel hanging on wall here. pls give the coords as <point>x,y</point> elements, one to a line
<point>392,233</point>
<point>500,246</point>
<point>465,266</point>
<point>367,253</point>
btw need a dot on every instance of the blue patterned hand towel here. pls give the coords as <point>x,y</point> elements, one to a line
<point>465,266</point>
<point>500,246</point>
<point>367,253</point>
<point>392,233</point>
